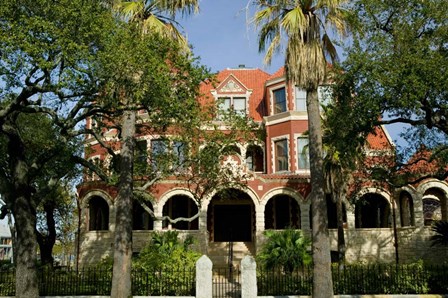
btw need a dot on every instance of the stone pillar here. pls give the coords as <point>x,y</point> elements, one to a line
<point>158,225</point>
<point>204,282</point>
<point>248,277</point>
<point>305,217</point>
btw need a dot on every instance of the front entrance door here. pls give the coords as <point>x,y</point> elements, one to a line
<point>232,223</point>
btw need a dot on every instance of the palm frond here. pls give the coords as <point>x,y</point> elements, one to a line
<point>440,228</point>
<point>294,21</point>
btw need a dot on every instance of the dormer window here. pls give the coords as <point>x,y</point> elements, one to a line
<point>233,103</point>
<point>279,96</point>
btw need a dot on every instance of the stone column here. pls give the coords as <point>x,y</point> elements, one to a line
<point>248,277</point>
<point>204,282</point>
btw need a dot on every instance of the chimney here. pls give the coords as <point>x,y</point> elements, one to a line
<point>242,66</point>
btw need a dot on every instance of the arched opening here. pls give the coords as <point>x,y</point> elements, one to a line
<point>255,158</point>
<point>141,219</point>
<point>231,150</point>
<point>332,213</point>
<point>281,212</point>
<point>180,206</point>
<point>231,217</point>
<point>98,214</point>
<point>434,205</point>
<point>372,211</point>
<point>406,210</point>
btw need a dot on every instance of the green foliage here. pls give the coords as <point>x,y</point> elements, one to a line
<point>166,251</point>
<point>440,228</point>
<point>396,68</point>
<point>286,250</point>
<point>167,262</point>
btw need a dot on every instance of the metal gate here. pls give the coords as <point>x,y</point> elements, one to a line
<point>226,282</point>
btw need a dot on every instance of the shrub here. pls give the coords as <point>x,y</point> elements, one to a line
<point>286,250</point>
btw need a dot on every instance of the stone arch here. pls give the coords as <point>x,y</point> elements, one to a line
<point>303,205</point>
<point>373,209</point>
<point>247,190</point>
<point>179,203</point>
<point>285,191</point>
<point>406,209</point>
<point>231,215</point>
<point>97,211</point>
<point>434,200</point>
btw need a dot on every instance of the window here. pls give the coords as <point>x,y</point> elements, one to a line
<point>236,104</point>
<point>98,214</point>
<point>158,151</point>
<point>140,157</point>
<point>179,151</point>
<point>300,100</point>
<point>279,100</point>
<point>254,158</point>
<point>303,153</point>
<point>281,155</point>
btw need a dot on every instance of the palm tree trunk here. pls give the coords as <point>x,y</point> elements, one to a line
<point>121,279</point>
<point>322,279</point>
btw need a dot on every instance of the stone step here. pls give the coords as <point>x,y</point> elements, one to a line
<point>218,252</point>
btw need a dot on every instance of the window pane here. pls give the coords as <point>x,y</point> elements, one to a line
<point>281,155</point>
<point>224,104</point>
<point>304,157</point>
<point>239,105</point>
<point>279,100</point>
<point>300,100</point>
<point>158,148</point>
<point>179,149</point>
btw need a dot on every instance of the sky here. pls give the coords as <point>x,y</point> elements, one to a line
<point>223,38</point>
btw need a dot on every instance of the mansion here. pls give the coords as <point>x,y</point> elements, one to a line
<point>276,195</point>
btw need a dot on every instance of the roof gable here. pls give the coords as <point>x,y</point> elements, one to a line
<point>231,85</point>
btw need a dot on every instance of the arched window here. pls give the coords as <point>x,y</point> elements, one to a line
<point>282,212</point>
<point>254,158</point>
<point>406,210</point>
<point>180,206</point>
<point>98,214</point>
<point>372,211</point>
<point>434,205</point>
<point>141,219</point>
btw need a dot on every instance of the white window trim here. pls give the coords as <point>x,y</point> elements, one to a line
<point>273,160</point>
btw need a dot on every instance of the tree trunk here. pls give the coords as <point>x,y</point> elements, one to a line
<point>121,280</point>
<point>46,242</point>
<point>26,271</point>
<point>341,236</point>
<point>322,279</point>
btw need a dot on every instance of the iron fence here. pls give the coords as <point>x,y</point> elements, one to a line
<point>226,282</point>
<point>359,279</point>
<point>98,280</point>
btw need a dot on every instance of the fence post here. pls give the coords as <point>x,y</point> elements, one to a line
<point>204,277</point>
<point>248,277</point>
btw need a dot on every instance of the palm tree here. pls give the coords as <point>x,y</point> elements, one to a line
<point>303,24</point>
<point>150,17</point>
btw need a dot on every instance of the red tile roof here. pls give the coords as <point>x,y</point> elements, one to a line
<point>378,140</point>
<point>278,74</point>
